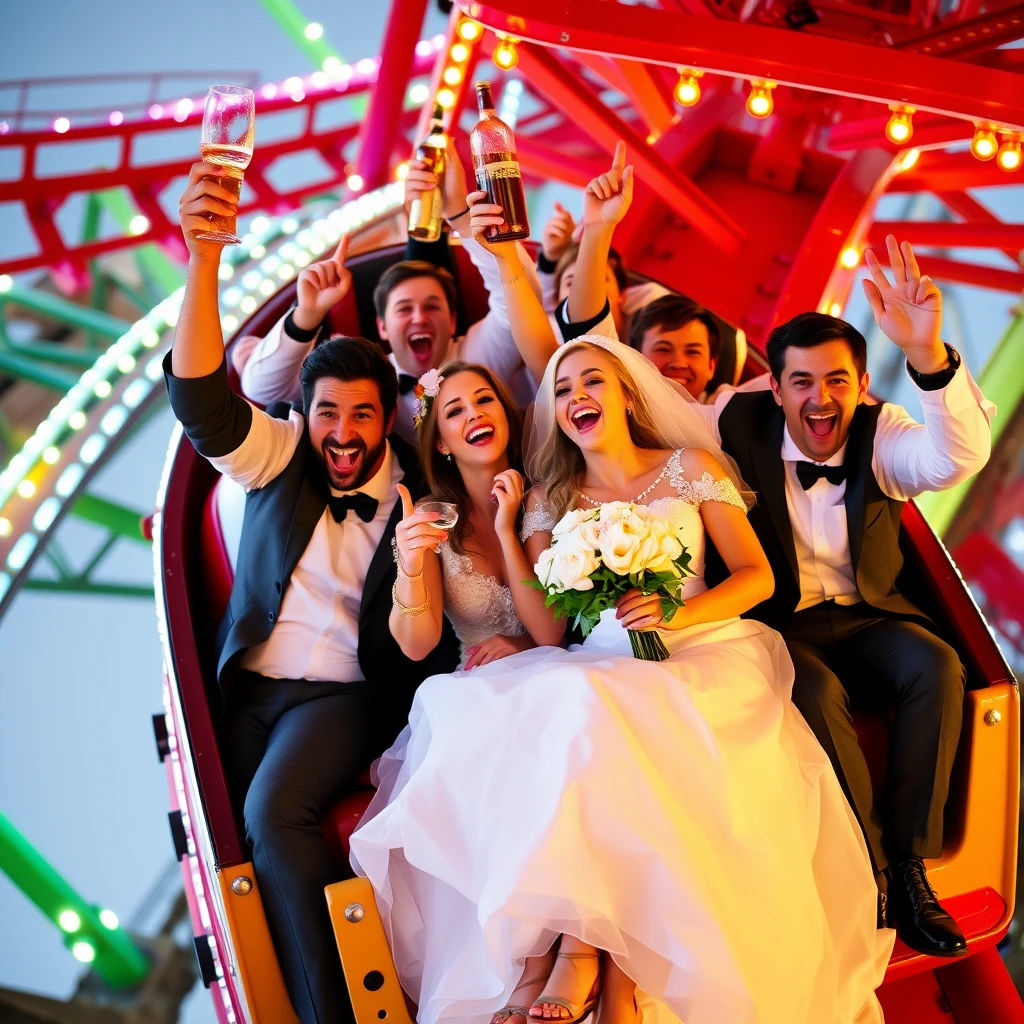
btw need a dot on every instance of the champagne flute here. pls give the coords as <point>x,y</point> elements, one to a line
<point>229,125</point>
<point>448,512</point>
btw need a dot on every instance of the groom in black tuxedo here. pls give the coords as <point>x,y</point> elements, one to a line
<point>315,685</point>
<point>832,474</point>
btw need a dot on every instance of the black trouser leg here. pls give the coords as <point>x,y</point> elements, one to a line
<point>320,739</point>
<point>922,676</point>
<point>823,701</point>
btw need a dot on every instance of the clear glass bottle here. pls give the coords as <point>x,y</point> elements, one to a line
<point>497,169</point>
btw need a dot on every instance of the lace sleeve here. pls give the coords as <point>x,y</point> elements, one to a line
<point>536,520</point>
<point>707,488</point>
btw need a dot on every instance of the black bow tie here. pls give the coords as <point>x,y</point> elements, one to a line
<point>809,473</point>
<point>406,383</point>
<point>362,504</point>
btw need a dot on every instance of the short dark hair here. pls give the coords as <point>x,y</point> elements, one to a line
<point>669,313</point>
<point>348,359</point>
<point>571,254</point>
<point>406,271</point>
<point>808,330</point>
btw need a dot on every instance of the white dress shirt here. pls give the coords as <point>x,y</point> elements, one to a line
<point>271,373</point>
<point>953,443</point>
<point>316,635</point>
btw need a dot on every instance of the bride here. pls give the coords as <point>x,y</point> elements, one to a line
<point>679,817</point>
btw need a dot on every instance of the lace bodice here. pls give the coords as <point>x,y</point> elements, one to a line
<point>478,605</point>
<point>680,510</point>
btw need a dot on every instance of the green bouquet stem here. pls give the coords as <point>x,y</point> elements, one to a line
<point>647,645</point>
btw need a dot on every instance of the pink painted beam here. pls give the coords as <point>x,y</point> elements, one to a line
<point>869,133</point>
<point>952,172</point>
<point>388,96</point>
<point>546,162</point>
<point>546,75</point>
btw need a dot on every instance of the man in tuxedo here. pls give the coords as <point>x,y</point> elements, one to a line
<point>832,474</point>
<point>315,686</point>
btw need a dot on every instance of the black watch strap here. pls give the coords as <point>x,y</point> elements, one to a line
<point>297,333</point>
<point>938,380</point>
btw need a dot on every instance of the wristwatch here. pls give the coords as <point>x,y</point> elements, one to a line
<point>940,378</point>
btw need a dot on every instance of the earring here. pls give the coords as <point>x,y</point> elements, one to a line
<point>447,453</point>
<point>629,410</point>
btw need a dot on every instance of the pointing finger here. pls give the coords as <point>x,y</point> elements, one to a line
<point>341,253</point>
<point>627,184</point>
<point>406,498</point>
<point>619,160</point>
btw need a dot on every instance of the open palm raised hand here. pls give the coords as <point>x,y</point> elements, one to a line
<point>909,310</point>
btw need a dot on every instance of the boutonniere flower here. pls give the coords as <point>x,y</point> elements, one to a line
<point>426,390</point>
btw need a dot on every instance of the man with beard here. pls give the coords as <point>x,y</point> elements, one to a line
<point>416,302</point>
<point>314,685</point>
<point>832,473</point>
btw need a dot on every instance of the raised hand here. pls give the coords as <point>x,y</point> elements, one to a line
<point>453,189</point>
<point>204,197</point>
<point>557,234</point>
<point>909,311</point>
<point>508,493</point>
<point>321,286</point>
<point>415,535</point>
<point>484,215</point>
<point>607,198</point>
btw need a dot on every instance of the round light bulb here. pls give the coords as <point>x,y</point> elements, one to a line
<point>314,30</point>
<point>61,125</point>
<point>83,951</point>
<point>138,225</point>
<point>984,144</point>
<point>687,91</point>
<point>446,98</point>
<point>459,53</point>
<point>849,258</point>
<point>759,101</point>
<point>109,919</point>
<point>1009,155</point>
<point>469,30</point>
<point>505,55</point>
<point>69,920</point>
<point>354,182</point>
<point>900,127</point>
<point>452,75</point>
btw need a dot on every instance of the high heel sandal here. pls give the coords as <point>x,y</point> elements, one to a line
<point>505,1012</point>
<point>576,1012</point>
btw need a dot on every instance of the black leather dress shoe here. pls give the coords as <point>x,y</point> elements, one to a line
<point>916,914</point>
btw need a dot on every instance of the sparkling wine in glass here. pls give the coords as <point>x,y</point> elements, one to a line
<point>229,125</point>
<point>446,510</point>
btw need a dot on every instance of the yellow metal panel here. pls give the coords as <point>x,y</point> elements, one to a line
<point>369,969</point>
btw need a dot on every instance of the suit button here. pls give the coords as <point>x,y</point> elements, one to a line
<point>270,616</point>
<point>277,587</point>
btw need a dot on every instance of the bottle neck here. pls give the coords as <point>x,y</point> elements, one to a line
<point>485,102</point>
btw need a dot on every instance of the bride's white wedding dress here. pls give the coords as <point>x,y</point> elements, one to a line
<point>680,815</point>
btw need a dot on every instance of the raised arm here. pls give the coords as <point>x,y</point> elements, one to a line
<point>605,202</point>
<point>955,439</point>
<point>527,322</point>
<point>271,373</point>
<point>554,240</point>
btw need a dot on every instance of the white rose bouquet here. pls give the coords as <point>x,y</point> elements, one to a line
<point>599,554</point>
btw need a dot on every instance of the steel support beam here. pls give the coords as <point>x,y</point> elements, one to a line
<point>543,70</point>
<point>546,162</point>
<point>946,234</point>
<point>929,131</point>
<point>973,212</point>
<point>387,98</point>
<point>647,94</point>
<point>968,36</point>
<point>972,273</point>
<point>741,50</point>
<point>951,172</point>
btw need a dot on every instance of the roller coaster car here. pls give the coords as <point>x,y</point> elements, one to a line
<point>974,877</point>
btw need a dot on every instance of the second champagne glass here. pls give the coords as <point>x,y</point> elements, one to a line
<point>229,126</point>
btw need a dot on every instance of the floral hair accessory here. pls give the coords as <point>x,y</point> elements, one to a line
<point>426,390</point>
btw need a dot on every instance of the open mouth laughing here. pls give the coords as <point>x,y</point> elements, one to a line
<point>822,425</point>
<point>421,344</point>
<point>343,460</point>
<point>584,419</point>
<point>480,435</point>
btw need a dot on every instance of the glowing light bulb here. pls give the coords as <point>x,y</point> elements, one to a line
<point>835,309</point>
<point>452,75</point>
<point>446,98</point>
<point>313,31</point>
<point>77,420</point>
<point>103,389</point>
<point>51,456</point>
<point>469,30</point>
<point>83,951</point>
<point>116,118</point>
<point>268,91</point>
<point>332,65</point>
<point>402,171</point>
<point>459,53</point>
<point>984,144</point>
<point>69,920</point>
<point>5,527</point>
<point>1009,155</point>
<point>109,919</point>
<point>138,224</point>
<point>6,282</point>
<point>849,258</point>
<point>156,111</point>
<point>354,182</point>
<point>26,488</point>
<point>908,160</point>
<point>505,55</point>
<point>687,90</point>
<point>418,93</point>
<point>900,126</point>
<point>61,125</point>
<point>759,101</point>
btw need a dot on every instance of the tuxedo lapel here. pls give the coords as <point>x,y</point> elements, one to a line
<point>309,508</point>
<point>770,483</point>
<point>857,469</point>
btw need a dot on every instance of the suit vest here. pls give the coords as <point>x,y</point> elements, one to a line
<point>751,426</point>
<point>279,522</point>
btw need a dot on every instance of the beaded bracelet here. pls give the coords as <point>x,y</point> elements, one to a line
<point>404,608</point>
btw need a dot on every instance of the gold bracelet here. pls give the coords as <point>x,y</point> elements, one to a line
<point>401,568</point>
<point>512,280</point>
<point>404,608</point>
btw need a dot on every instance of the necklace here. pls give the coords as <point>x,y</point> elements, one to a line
<point>636,501</point>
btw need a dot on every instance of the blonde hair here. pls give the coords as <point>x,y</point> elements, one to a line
<point>558,463</point>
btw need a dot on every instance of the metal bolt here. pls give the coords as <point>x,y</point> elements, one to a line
<point>241,886</point>
<point>993,717</point>
<point>354,912</point>
<point>565,37</point>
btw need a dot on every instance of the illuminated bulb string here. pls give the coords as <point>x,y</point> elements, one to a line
<point>510,99</point>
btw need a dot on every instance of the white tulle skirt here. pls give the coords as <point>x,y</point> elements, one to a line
<point>680,815</point>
